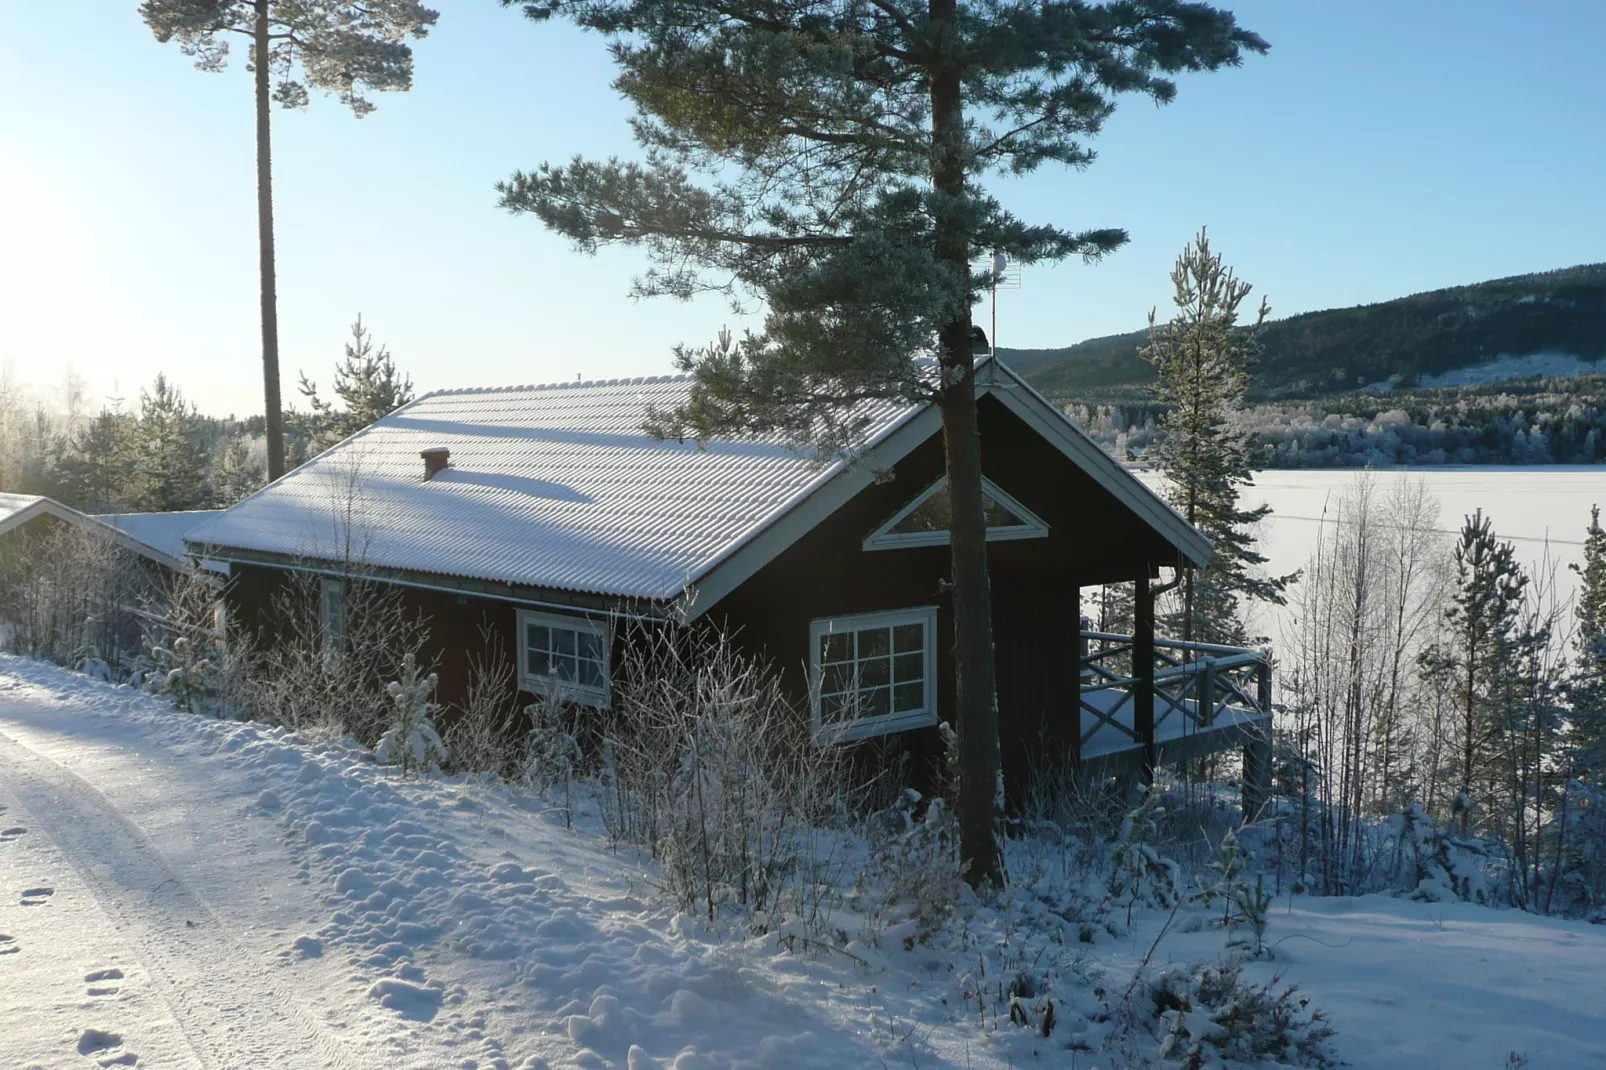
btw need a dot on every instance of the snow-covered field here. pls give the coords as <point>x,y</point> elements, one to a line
<point>182,892</point>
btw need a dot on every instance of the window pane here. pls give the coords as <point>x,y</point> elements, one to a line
<point>907,637</point>
<point>562,641</point>
<point>590,673</point>
<point>590,646</point>
<point>906,697</point>
<point>536,637</point>
<point>875,672</point>
<point>875,703</point>
<point>837,678</point>
<point>906,667</point>
<point>539,665</point>
<point>832,708</point>
<point>933,514</point>
<point>837,647</point>
<point>874,642</point>
<point>998,516</point>
<point>564,668</point>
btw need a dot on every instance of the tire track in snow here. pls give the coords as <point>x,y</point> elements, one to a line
<point>232,1011</point>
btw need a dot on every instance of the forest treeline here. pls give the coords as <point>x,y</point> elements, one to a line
<point>1318,354</point>
<point>1542,421</point>
<point>159,453</point>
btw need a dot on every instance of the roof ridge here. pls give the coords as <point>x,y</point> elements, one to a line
<point>582,384</point>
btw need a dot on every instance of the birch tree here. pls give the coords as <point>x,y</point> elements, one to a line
<point>344,47</point>
<point>827,159</point>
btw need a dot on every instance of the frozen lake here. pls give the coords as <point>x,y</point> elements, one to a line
<point>1532,507</point>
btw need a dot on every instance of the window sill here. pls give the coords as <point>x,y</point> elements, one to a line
<point>543,687</point>
<point>870,727</point>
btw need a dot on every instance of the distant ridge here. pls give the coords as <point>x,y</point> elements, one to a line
<point>1341,350</point>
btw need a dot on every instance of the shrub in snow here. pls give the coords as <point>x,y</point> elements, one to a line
<point>411,740</point>
<point>1138,875</point>
<point>551,754</point>
<point>915,866</point>
<point>1445,867</point>
<point>186,673</point>
<point>1212,1017</point>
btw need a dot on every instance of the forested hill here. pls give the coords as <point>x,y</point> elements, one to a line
<point>1339,350</point>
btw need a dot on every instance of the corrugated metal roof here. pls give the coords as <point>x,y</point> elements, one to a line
<point>165,531</point>
<point>552,486</point>
<point>12,504</point>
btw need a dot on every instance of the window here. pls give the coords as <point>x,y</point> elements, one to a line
<point>332,618</point>
<point>925,521</point>
<point>873,674</point>
<point>567,656</point>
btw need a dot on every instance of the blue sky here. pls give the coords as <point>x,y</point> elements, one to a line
<point>1382,148</point>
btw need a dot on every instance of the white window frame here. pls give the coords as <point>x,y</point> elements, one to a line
<point>331,632</point>
<point>884,724</point>
<point>585,695</point>
<point>884,538</point>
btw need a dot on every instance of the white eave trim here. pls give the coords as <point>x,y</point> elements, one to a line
<point>1020,398</point>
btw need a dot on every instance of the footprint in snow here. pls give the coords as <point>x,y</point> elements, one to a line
<point>11,833</point>
<point>33,897</point>
<point>8,944</point>
<point>97,981</point>
<point>105,1048</point>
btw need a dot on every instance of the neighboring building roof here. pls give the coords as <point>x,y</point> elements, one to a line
<point>558,488</point>
<point>19,509</point>
<point>165,531</point>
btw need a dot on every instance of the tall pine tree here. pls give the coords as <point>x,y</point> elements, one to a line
<point>1203,362</point>
<point>828,159</point>
<point>344,47</point>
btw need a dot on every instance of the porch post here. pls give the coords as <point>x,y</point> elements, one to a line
<point>1143,672</point>
<point>1257,752</point>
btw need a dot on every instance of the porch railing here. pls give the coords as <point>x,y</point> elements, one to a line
<point>1196,687</point>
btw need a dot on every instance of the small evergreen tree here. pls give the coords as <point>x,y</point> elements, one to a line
<point>170,466</point>
<point>411,741</point>
<point>1203,362</point>
<point>368,386</point>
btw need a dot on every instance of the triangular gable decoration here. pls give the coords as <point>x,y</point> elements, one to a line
<point>925,521</point>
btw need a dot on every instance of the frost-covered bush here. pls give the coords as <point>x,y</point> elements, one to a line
<point>551,754</point>
<point>709,765</point>
<point>1211,1016</point>
<point>914,876</point>
<point>411,741</point>
<point>1139,876</point>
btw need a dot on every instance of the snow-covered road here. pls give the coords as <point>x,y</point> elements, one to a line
<point>182,892</point>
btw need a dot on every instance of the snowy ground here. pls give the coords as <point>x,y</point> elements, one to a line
<point>176,891</point>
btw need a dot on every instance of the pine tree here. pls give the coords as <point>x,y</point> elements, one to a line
<point>170,469</point>
<point>368,385</point>
<point>850,141</point>
<point>1587,691</point>
<point>99,464</point>
<point>1204,361</point>
<point>339,46</point>
<point>236,474</point>
<point>1479,640</point>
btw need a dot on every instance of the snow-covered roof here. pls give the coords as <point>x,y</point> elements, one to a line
<point>558,488</point>
<point>165,531</point>
<point>554,487</point>
<point>17,510</point>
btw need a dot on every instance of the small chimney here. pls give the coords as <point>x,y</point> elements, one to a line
<point>435,460</point>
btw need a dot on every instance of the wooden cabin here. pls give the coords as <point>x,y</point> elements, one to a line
<point>548,515</point>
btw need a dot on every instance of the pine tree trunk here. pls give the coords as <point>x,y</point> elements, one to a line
<point>975,696</point>
<point>273,414</point>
